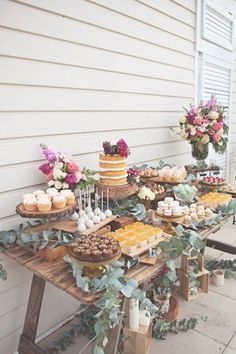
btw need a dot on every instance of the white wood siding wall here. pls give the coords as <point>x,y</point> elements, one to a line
<point>72,74</point>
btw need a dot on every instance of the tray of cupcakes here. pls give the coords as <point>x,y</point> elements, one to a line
<point>52,203</point>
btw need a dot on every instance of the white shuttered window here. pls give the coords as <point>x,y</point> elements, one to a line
<point>215,44</point>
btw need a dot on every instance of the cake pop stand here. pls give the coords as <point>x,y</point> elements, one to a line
<point>94,269</point>
<point>167,227</point>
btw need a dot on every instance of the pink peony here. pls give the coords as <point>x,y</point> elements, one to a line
<point>217,126</point>
<point>72,167</point>
<point>50,176</point>
<point>45,168</point>
<point>71,179</point>
<point>199,133</point>
<point>216,137</point>
<point>198,120</point>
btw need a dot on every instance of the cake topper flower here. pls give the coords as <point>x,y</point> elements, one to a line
<point>120,148</point>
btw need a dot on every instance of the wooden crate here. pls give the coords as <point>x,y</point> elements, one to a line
<point>137,341</point>
<point>53,254</point>
<point>203,278</point>
<point>186,260</point>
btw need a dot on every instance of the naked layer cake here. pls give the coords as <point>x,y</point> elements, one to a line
<point>113,163</point>
<point>94,248</point>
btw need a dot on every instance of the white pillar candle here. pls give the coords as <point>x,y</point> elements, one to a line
<point>218,277</point>
<point>144,318</point>
<point>133,313</point>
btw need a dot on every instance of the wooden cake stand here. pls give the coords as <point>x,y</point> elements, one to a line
<point>53,213</point>
<point>117,192</point>
<point>213,187</point>
<point>94,269</point>
<point>168,220</point>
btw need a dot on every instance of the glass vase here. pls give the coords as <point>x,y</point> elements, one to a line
<point>200,151</point>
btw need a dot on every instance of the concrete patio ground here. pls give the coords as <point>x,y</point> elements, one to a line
<point>217,334</point>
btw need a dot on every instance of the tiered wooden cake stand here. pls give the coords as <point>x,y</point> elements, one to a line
<point>94,269</point>
<point>167,227</point>
<point>53,213</point>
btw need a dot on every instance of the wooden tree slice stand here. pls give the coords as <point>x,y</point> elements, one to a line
<point>117,192</point>
<point>70,226</point>
<point>53,213</point>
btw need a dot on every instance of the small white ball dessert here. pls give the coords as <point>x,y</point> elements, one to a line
<point>103,216</point>
<point>88,209</point>
<point>74,216</point>
<point>81,221</point>
<point>81,213</point>
<point>81,227</point>
<point>91,214</point>
<point>97,211</point>
<point>89,223</point>
<point>108,213</point>
<point>85,216</point>
<point>96,219</point>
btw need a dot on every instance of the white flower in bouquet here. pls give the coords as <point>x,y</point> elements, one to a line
<point>65,185</point>
<point>58,174</point>
<point>213,115</point>
<point>58,185</point>
<point>65,157</point>
<point>182,119</point>
<point>202,128</point>
<point>51,183</point>
<point>58,166</point>
<point>193,131</point>
<point>205,139</point>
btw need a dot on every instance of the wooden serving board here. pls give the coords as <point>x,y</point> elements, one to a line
<point>145,259</point>
<point>70,226</point>
<point>141,250</point>
<point>117,192</point>
<point>69,209</point>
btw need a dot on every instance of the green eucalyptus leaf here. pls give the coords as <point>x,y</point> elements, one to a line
<point>98,350</point>
<point>25,237</point>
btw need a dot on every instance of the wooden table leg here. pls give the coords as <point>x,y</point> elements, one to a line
<point>114,334</point>
<point>27,340</point>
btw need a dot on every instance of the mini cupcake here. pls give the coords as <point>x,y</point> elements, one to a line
<point>30,204</point>
<point>177,211</point>
<point>59,202</point>
<point>38,193</point>
<point>44,204</point>
<point>69,195</point>
<point>52,192</point>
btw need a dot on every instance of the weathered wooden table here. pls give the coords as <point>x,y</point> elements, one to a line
<point>60,275</point>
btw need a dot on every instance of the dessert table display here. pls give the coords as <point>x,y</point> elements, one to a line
<point>107,259</point>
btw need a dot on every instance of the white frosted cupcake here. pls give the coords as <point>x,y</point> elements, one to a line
<point>38,193</point>
<point>44,204</point>
<point>30,204</point>
<point>59,202</point>
<point>52,192</point>
<point>28,196</point>
<point>69,195</point>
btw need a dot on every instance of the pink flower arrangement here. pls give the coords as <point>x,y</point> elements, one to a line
<point>61,171</point>
<point>205,124</point>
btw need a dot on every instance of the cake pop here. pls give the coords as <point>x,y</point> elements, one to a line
<point>74,216</point>
<point>81,213</point>
<point>91,214</point>
<point>81,227</point>
<point>96,219</point>
<point>81,221</point>
<point>108,212</point>
<point>102,216</point>
<point>89,223</point>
